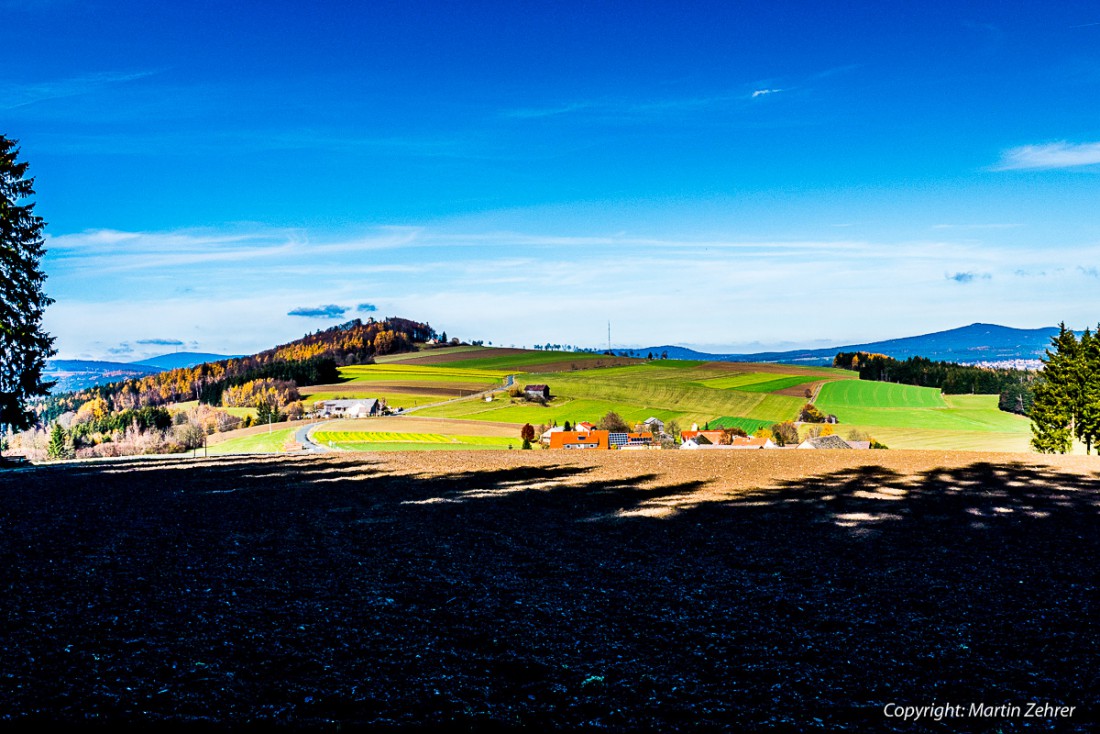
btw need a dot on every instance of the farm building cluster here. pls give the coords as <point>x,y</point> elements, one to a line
<point>362,408</point>
<point>649,434</point>
<point>586,436</point>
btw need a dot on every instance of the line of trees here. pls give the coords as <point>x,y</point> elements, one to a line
<point>1067,394</point>
<point>1014,386</point>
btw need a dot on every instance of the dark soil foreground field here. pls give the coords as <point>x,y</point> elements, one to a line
<point>649,591</point>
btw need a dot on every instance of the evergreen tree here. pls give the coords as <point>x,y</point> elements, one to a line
<point>24,346</point>
<point>1052,413</point>
<point>267,413</point>
<point>1087,422</point>
<point>58,447</point>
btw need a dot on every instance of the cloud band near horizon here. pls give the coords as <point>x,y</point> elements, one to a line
<point>1049,156</point>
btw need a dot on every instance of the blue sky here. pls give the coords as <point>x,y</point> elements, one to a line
<point>227,176</point>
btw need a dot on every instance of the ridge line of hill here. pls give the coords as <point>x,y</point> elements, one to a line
<point>975,343</point>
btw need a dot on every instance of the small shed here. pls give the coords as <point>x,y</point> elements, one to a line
<point>537,391</point>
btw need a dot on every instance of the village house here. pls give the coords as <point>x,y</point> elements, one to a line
<point>827,442</point>
<point>544,439</point>
<point>737,442</point>
<point>707,436</point>
<point>348,408</point>
<point>561,439</point>
<point>579,439</point>
<point>629,440</point>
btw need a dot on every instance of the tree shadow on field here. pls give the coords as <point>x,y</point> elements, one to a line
<point>332,591</point>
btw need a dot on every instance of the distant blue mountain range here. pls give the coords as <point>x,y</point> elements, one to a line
<point>182,359</point>
<point>76,374</point>
<point>965,345</point>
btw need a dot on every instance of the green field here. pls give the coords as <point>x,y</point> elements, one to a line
<point>428,374</point>
<point>758,381</point>
<point>258,443</point>
<point>390,440</point>
<point>748,425</point>
<point>838,396</point>
<point>664,389</point>
<point>903,416</point>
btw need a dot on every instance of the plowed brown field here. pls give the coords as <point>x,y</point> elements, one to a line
<point>536,590</point>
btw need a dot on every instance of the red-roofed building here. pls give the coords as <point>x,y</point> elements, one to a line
<point>579,440</point>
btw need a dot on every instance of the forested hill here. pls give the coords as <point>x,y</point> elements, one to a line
<point>313,359</point>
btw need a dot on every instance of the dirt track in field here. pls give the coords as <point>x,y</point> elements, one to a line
<point>767,367</point>
<point>417,424</point>
<point>408,387</point>
<point>463,356</point>
<point>563,365</point>
<point>550,591</point>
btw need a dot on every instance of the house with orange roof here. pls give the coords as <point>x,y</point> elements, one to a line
<point>714,437</point>
<point>579,440</point>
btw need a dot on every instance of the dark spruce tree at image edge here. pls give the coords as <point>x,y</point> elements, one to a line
<point>1067,395</point>
<point>24,346</point>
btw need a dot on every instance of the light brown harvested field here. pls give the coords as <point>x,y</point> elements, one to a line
<point>715,475</point>
<point>407,387</point>
<point>549,591</point>
<point>421,358</point>
<point>799,391</point>
<point>416,424</point>
<point>782,369</point>
<point>581,361</point>
<point>568,365</point>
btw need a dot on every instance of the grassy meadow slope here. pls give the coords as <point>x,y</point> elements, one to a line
<point>666,389</point>
<point>903,416</point>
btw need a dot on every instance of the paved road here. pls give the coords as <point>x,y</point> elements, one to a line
<point>302,437</point>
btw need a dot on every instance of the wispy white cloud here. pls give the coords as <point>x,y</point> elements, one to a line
<point>111,251</point>
<point>1048,156</point>
<point>532,113</point>
<point>14,95</point>
<point>979,225</point>
<point>626,109</point>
